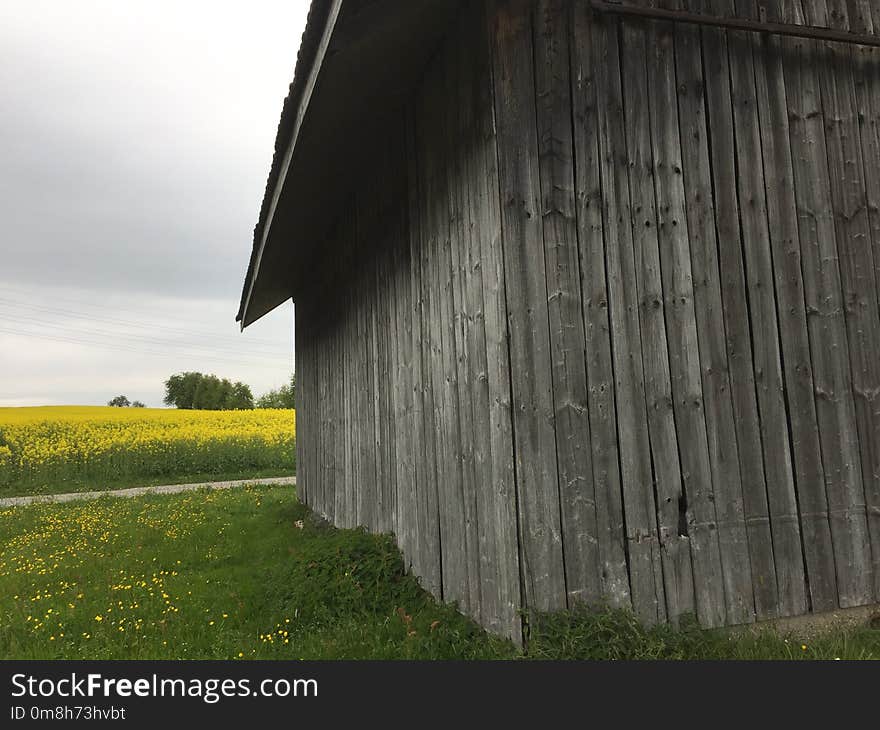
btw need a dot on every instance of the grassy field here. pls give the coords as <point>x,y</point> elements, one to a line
<point>70,449</point>
<point>248,574</point>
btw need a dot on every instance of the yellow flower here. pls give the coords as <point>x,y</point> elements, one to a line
<point>99,617</point>
<point>72,439</point>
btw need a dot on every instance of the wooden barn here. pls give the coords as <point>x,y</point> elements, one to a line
<point>586,298</point>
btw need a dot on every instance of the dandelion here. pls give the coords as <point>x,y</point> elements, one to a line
<point>99,618</point>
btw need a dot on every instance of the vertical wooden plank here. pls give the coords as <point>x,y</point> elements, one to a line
<point>859,281</point>
<point>539,509</point>
<point>373,448</point>
<point>859,16</point>
<point>326,412</point>
<point>432,353</point>
<point>366,440</point>
<point>457,77</point>
<point>771,523</point>
<point>321,455</point>
<point>875,15</point>
<point>298,347</point>
<point>427,552</point>
<point>597,331</point>
<point>327,408</point>
<point>746,554</point>
<point>343,432</point>
<point>338,374</point>
<point>749,306</point>
<point>315,410</point>
<point>454,514</point>
<point>311,427</point>
<point>473,355</point>
<point>307,330</point>
<point>355,343</point>
<point>380,368</point>
<point>405,426</point>
<point>379,234</point>
<point>567,338</point>
<point>780,258</point>
<point>715,604</point>
<point>867,87</point>
<point>499,528</point>
<point>675,540</point>
<point>640,508</point>
<point>837,13</point>
<point>320,320</point>
<point>394,270</point>
<point>351,382</point>
<point>389,175</point>
<point>435,233</point>
<point>440,232</point>
<point>315,464</point>
<point>362,415</point>
<point>834,403</point>
<point>767,218</point>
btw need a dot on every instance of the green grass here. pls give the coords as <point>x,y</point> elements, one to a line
<point>585,634</point>
<point>42,485</point>
<point>210,575</point>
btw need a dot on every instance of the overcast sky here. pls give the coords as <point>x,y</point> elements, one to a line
<point>135,142</point>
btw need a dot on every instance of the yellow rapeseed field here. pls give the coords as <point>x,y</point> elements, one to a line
<point>53,445</point>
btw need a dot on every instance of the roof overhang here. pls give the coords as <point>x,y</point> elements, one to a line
<point>358,64</point>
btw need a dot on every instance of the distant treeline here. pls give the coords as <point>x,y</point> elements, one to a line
<point>197,391</point>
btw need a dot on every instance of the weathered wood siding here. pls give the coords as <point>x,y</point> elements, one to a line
<point>601,322</point>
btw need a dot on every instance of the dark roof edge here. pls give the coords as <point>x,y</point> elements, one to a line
<point>321,20</point>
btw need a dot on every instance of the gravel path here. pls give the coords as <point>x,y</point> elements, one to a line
<point>139,491</point>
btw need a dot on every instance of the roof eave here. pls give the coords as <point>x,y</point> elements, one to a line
<point>246,315</point>
<point>360,61</point>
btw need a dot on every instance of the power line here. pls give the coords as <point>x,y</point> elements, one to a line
<point>100,308</point>
<point>88,303</point>
<point>114,320</point>
<point>119,347</point>
<point>148,339</point>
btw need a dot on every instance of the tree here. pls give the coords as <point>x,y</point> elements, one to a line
<point>137,404</point>
<point>240,398</point>
<point>206,393</point>
<point>180,390</point>
<point>120,401</point>
<point>284,397</point>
